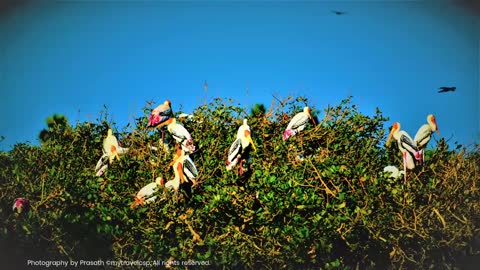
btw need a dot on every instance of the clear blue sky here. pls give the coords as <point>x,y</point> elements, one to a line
<point>73,57</point>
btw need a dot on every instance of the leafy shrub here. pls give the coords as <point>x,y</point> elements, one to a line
<point>321,204</point>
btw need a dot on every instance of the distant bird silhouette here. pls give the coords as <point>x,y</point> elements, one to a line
<point>447,89</point>
<point>339,12</point>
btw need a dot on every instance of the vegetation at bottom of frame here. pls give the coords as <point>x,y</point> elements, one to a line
<point>319,199</point>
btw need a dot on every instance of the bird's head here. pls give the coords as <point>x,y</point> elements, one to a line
<point>395,128</point>
<point>249,138</point>
<point>168,103</point>
<point>433,123</point>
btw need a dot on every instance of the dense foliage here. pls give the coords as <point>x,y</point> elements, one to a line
<point>321,204</point>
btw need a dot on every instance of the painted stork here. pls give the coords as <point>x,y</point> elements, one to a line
<point>145,195</point>
<point>424,134</point>
<point>111,147</point>
<point>185,166</point>
<point>111,150</point>
<point>406,145</point>
<point>181,135</point>
<point>240,148</point>
<point>160,114</point>
<point>298,123</point>
<point>20,204</point>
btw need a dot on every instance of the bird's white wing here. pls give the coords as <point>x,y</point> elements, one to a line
<point>180,133</point>
<point>298,122</point>
<point>423,136</point>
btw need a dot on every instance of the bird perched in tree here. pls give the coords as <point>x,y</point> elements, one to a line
<point>185,166</point>
<point>20,204</point>
<point>111,150</point>
<point>181,135</point>
<point>146,194</point>
<point>111,147</point>
<point>406,145</point>
<point>240,148</point>
<point>447,89</point>
<point>160,114</point>
<point>424,134</point>
<point>298,123</point>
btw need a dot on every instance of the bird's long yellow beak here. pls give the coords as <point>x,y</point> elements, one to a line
<point>251,141</point>
<point>249,138</point>
<point>114,151</point>
<point>313,120</point>
<point>390,136</point>
<point>436,126</point>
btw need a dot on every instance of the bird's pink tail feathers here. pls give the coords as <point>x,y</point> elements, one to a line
<point>418,156</point>
<point>287,133</point>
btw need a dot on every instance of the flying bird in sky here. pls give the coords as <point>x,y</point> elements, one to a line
<point>339,12</point>
<point>447,89</point>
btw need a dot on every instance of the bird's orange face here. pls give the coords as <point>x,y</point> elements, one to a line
<point>395,128</point>
<point>434,122</point>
